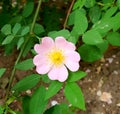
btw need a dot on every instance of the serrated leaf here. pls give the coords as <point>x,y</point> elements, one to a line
<point>28,9</point>
<point>90,53</point>
<point>54,87</point>
<point>16,28</point>
<point>2,70</point>
<point>74,95</point>
<point>92,37</point>
<point>25,65</point>
<point>114,38</point>
<point>25,30</point>
<point>26,83</point>
<point>6,29</point>
<point>8,39</point>
<point>38,103</point>
<point>75,76</point>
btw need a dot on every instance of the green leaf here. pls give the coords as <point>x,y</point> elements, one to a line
<point>20,42</point>
<point>25,65</point>
<point>74,95</point>
<point>16,28</point>
<point>74,76</point>
<point>54,87</point>
<point>28,9</point>
<point>59,109</point>
<point>79,4</point>
<point>2,71</point>
<point>38,103</point>
<point>114,38</point>
<point>64,33</point>
<point>89,53</point>
<point>6,29</point>
<point>38,29</point>
<point>110,12</point>
<point>95,13</point>
<point>25,104</point>
<point>103,26</point>
<point>8,39</point>
<point>25,30</point>
<point>92,37</point>
<point>115,22</point>
<point>118,3</point>
<point>103,46</point>
<point>90,3</point>
<point>1,110</point>
<point>79,20</point>
<point>26,83</point>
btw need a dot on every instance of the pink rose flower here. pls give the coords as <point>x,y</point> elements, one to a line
<point>54,57</point>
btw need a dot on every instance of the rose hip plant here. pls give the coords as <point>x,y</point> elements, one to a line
<point>89,28</point>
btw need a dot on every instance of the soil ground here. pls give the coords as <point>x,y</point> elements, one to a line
<point>101,86</point>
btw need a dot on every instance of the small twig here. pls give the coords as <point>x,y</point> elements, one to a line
<point>68,13</point>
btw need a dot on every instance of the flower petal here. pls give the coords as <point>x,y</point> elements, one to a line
<point>72,56</point>
<point>39,60</point>
<point>61,42</point>
<point>43,69</point>
<point>58,73</point>
<point>73,66</point>
<point>46,44</point>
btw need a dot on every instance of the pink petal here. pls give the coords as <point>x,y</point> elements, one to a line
<point>58,73</point>
<point>72,56</point>
<point>61,42</point>
<point>43,69</point>
<point>46,44</point>
<point>71,65</point>
<point>39,59</point>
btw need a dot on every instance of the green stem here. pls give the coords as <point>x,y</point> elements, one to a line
<point>22,50</point>
<point>35,17</point>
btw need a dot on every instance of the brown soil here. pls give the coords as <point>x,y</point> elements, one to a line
<point>103,77</point>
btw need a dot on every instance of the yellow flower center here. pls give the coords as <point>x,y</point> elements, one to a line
<point>56,57</point>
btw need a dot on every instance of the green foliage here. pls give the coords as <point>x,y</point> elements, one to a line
<point>2,71</point>
<point>74,95</point>
<point>25,65</point>
<point>54,87</point>
<point>59,109</point>
<point>92,37</point>
<point>93,53</point>
<point>28,9</point>
<point>75,76</point>
<point>114,38</point>
<point>26,104</point>
<point>26,83</point>
<point>93,25</point>
<point>38,102</point>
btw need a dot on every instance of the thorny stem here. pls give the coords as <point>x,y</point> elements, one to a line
<point>68,13</point>
<point>22,50</point>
